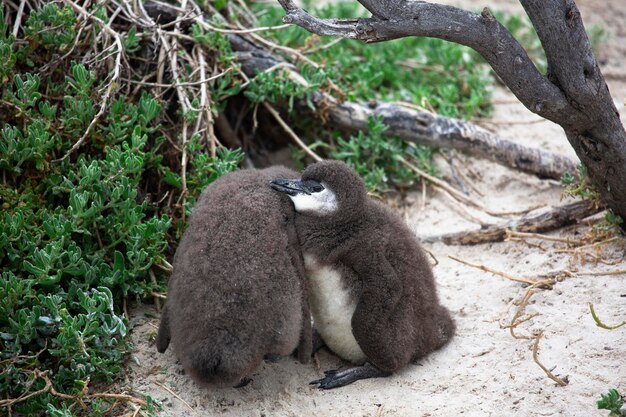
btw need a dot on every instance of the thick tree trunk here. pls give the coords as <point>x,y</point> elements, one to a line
<point>572,94</point>
<point>596,134</point>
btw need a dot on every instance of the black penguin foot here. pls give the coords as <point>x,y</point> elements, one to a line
<point>244,381</point>
<point>336,378</point>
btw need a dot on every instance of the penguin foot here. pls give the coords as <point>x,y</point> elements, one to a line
<point>244,381</point>
<point>336,378</point>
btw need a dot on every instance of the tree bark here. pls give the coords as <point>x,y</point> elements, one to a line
<point>413,125</point>
<point>572,94</point>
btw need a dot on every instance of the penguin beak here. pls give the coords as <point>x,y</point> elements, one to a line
<point>289,186</point>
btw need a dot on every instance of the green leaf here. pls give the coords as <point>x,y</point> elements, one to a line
<point>131,40</point>
<point>612,402</point>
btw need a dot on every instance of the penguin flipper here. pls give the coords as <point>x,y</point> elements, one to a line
<point>375,322</point>
<point>163,336</point>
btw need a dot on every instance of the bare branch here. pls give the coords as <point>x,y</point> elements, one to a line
<point>205,105</point>
<point>385,10</point>
<point>345,28</point>
<point>18,18</point>
<point>185,103</point>
<point>481,32</point>
<point>543,220</point>
<point>291,133</point>
<point>239,31</point>
<point>571,64</point>
<point>111,85</point>
<point>432,130</point>
<point>495,272</point>
<point>201,82</point>
<point>596,134</point>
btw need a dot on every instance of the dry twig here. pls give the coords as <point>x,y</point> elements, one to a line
<point>502,274</point>
<point>78,399</point>
<point>111,85</point>
<point>516,321</point>
<point>544,220</point>
<point>561,382</point>
<point>157,301</point>
<point>166,388</point>
<point>568,241</point>
<point>603,273</point>
<point>291,133</point>
<point>458,195</point>
<point>205,105</point>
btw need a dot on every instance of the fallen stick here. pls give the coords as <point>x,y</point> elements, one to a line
<point>515,278</point>
<point>560,381</point>
<point>541,221</point>
<point>432,130</point>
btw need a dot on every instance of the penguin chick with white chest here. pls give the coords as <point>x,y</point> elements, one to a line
<point>237,291</point>
<point>371,288</point>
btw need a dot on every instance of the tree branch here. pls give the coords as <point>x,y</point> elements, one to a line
<point>481,32</point>
<point>571,63</point>
<point>344,28</point>
<point>386,10</point>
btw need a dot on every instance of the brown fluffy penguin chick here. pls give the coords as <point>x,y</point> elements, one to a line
<point>237,291</point>
<point>371,288</point>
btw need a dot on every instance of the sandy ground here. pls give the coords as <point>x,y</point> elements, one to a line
<point>484,371</point>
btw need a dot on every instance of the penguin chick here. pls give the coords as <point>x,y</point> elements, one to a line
<point>371,288</point>
<point>237,290</point>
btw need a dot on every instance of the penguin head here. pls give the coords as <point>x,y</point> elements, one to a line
<point>326,188</point>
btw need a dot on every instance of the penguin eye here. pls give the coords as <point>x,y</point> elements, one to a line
<point>314,186</point>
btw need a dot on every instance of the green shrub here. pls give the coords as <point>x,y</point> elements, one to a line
<point>78,234</point>
<point>447,77</point>
<point>612,402</point>
<point>376,158</point>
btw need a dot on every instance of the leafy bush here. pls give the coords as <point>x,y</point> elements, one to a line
<point>78,230</point>
<point>376,158</point>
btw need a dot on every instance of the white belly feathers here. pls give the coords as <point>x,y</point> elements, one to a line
<point>332,307</point>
